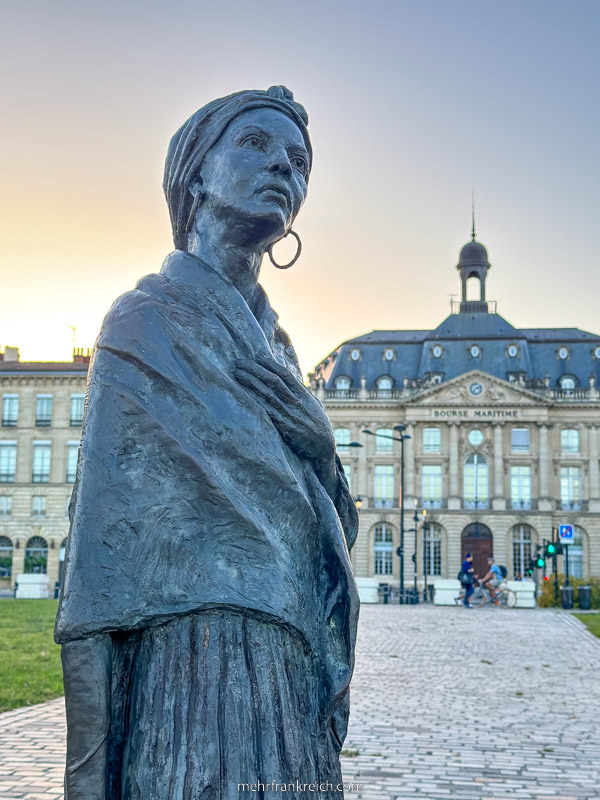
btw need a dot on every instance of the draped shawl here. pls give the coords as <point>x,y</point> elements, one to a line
<point>186,496</point>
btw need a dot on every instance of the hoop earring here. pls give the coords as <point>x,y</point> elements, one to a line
<point>294,259</point>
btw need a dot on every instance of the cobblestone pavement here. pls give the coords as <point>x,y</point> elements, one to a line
<point>447,703</point>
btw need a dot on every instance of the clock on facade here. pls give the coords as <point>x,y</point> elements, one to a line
<point>513,350</point>
<point>475,437</point>
<point>355,355</point>
<point>474,351</point>
<point>389,355</point>
<point>437,351</point>
<point>563,352</point>
<point>476,389</point>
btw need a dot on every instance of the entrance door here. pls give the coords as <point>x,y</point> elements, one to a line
<point>477,540</point>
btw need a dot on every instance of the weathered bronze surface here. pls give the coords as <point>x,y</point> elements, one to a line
<point>208,611</point>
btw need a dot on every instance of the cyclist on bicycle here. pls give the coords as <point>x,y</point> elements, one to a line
<point>492,579</point>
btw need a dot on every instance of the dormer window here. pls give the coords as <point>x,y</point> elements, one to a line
<point>567,383</point>
<point>437,351</point>
<point>596,352</point>
<point>512,350</point>
<point>563,353</point>
<point>384,386</point>
<point>342,385</point>
<point>388,355</point>
<point>475,351</point>
<point>355,354</point>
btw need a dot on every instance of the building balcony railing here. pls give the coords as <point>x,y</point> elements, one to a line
<point>415,387</point>
<point>40,477</point>
<point>43,422</point>
<point>9,422</point>
<point>7,477</point>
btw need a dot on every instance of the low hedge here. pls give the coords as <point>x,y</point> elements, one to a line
<point>546,595</point>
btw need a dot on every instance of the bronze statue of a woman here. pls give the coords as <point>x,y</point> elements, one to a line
<point>208,611</point>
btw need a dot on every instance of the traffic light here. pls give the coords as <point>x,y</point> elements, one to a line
<point>539,557</point>
<point>531,566</point>
<point>550,549</point>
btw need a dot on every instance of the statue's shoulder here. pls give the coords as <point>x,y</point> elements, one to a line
<point>136,315</point>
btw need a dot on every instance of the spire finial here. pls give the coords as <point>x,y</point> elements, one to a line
<point>473,216</point>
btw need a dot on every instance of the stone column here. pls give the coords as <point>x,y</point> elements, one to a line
<point>499,499</point>
<point>18,562</point>
<point>409,467</point>
<point>453,493</point>
<point>545,501</point>
<point>594,497</point>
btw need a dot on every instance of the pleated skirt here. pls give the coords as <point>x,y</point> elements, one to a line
<point>214,706</point>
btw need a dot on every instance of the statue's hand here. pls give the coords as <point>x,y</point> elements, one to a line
<point>298,416</point>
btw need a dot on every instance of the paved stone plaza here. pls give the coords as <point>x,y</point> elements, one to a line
<point>480,704</point>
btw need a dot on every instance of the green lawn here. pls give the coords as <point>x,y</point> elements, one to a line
<point>592,621</point>
<point>29,659</point>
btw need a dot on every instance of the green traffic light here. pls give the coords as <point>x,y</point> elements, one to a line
<point>551,549</point>
<point>540,562</point>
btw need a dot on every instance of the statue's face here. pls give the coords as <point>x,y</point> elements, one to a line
<point>255,176</point>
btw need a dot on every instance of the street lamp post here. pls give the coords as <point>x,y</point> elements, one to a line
<point>401,439</point>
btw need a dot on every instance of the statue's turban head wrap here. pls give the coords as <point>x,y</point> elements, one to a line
<point>203,129</point>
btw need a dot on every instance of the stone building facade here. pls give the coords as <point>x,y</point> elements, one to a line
<point>40,430</point>
<point>504,446</point>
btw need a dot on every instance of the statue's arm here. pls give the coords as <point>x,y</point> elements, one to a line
<point>87,666</point>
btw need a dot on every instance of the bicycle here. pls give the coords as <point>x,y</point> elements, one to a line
<point>504,596</point>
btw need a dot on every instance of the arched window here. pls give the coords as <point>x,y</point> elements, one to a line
<point>473,288</point>
<point>522,548</point>
<point>567,383</point>
<point>432,549</point>
<point>476,482</point>
<point>342,439</point>
<point>342,386</point>
<point>575,554</point>
<point>383,549</point>
<point>384,386</point>
<point>36,555</point>
<point>6,555</point>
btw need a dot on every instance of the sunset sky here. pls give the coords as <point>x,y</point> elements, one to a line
<point>413,105</point>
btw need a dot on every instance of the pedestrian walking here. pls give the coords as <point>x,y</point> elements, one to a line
<point>467,579</point>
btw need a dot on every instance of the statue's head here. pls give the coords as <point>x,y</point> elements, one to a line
<point>244,159</point>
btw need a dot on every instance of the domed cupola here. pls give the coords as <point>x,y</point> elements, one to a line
<point>473,262</point>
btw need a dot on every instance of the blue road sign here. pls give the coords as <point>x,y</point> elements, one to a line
<point>565,534</point>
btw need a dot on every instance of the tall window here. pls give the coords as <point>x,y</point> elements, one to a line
<point>36,555</point>
<point>8,461</point>
<point>38,506</point>
<point>342,439</point>
<point>520,487</point>
<point>432,440</point>
<point>76,415</point>
<point>575,554</point>
<point>43,410</point>
<point>6,556</point>
<point>41,462</point>
<point>72,451</point>
<point>570,487</point>
<point>432,549</point>
<point>569,440</point>
<point>10,410</point>
<point>384,486</point>
<point>522,548</point>
<point>383,549</point>
<point>347,472</point>
<point>476,482</point>
<point>519,440</point>
<point>5,505</point>
<point>432,485</point>
<point>383,445</point>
